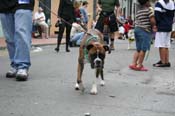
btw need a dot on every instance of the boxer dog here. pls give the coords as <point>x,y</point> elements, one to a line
<point>93,50</point>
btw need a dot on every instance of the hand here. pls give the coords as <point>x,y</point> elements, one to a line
<point>154,28</point>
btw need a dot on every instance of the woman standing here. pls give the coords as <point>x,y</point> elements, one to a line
<point>66,17</point>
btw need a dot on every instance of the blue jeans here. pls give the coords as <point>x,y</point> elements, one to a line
<point>77,38</point>
<point>143,39</point>
<point>17,28</point>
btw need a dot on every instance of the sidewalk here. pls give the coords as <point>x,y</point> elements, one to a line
<point>35,42</point>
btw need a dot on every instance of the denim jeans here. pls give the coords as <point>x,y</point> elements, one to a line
<point>17,28</point>
<point>77,38</point>
<point>143,39</point>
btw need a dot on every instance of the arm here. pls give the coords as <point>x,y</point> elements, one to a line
<point>152,19</point>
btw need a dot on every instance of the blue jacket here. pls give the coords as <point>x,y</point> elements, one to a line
<point>164,15</point>
<point>84,14</point>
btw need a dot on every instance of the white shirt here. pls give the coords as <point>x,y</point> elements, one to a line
<point>40,17</point>
<point>76,28</point>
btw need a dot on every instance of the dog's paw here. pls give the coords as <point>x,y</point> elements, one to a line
<point>77,87</point>
<point>94,90</point>
<point>102,83</point>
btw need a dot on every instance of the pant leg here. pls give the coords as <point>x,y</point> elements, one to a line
<point>68,30</point>
<point>22,38</point>
<point>7,21</point>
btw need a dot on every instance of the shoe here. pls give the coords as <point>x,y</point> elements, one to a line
<point>11,73</point>
<point>160,62</point>
<point>163,65</point>
<point>67,50</point>
<point>22,75</point>
<point>57,49</point>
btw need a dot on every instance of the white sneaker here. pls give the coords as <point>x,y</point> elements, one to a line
<point>11,73</point>
<point>22,75</point>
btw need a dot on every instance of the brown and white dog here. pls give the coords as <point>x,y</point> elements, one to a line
<point>93,50</point>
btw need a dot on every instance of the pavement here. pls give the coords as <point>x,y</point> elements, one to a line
<point>35,42</point>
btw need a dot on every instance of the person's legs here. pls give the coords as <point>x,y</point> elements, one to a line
<point>68,30</point>
<point>23,28</point>
<point>7,21</point>
<point>141,57</point>
<point>44,29</point>
<point>167,56</point>
<point>112,41</point>
<point>60,36</point>
<point>80,38</point>
<point>22,38</point>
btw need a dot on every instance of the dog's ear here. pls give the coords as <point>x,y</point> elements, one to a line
<point>89,47</point>
<point>106,47</point>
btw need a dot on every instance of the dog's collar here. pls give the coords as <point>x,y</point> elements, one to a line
<point>92,37</point>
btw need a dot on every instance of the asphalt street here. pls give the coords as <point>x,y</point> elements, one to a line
<point>50,88</point>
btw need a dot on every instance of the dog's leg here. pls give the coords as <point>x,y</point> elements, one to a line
<point>94,88</point>
<point>79,84</point>
<point>102,83</point>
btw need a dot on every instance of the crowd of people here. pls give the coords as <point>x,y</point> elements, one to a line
<point>16,19</point>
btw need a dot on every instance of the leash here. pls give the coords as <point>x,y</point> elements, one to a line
<point>47,8</point>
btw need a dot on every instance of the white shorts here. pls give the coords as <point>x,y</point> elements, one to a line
<point>162,39</point>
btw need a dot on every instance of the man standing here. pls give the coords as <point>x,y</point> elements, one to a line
<point>16,19</point>
<point>107,16</point>
<point>164,14</point>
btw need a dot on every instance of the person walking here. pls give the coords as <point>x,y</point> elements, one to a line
<point>108,17</point>
<point>16,20</point>
<point>145,22</point>
<point>66,17</point>
<point>164,14</point>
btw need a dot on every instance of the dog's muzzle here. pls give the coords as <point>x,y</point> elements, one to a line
<point>98,62</point>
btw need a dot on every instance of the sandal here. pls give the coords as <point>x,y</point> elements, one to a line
<point>142,68</point>
<point>132,66</point>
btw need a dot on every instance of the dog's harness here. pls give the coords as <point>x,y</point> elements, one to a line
<point>85,51</point>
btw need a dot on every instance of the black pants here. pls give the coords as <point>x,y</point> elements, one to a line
<point>62,26</point>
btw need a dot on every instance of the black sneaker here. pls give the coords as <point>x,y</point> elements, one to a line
<point>22,75</point>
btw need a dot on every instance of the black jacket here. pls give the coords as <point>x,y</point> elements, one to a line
<point>66,10</point>
<point>7,6</point>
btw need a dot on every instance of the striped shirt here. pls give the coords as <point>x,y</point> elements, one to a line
<point>143,18</point>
